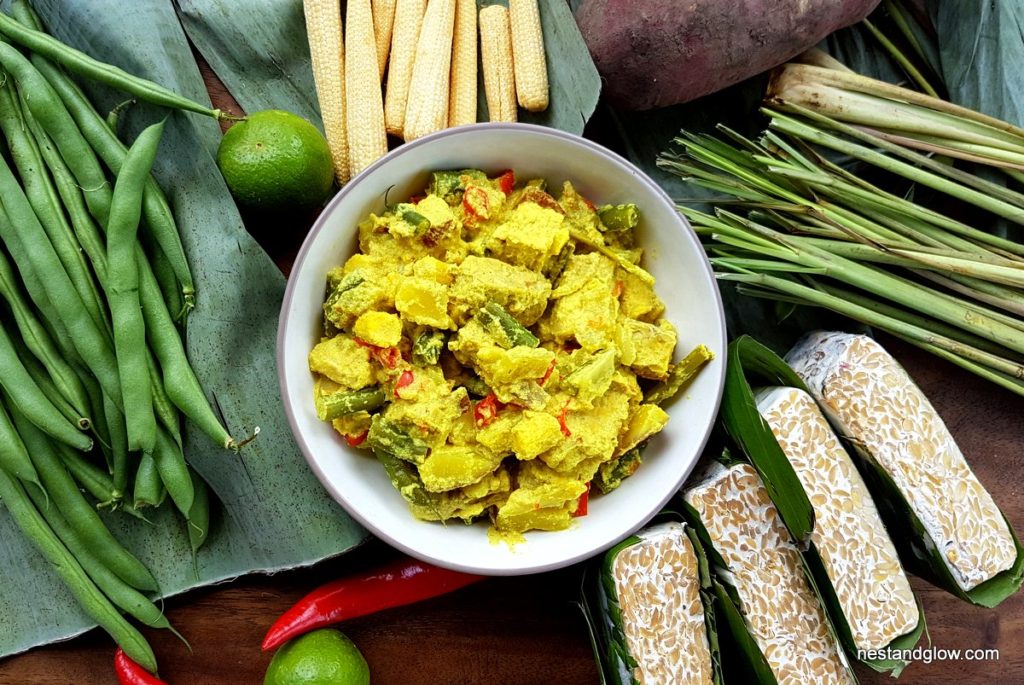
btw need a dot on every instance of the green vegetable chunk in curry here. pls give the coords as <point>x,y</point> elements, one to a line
<point>491,345</point>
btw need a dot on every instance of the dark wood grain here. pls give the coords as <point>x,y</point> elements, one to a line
<point>522,631</point>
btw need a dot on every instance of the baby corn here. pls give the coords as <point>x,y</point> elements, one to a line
<point>462,98</point>
<point>496,54</point>
<point>327,54</point>
<point>531,69</point>
<point>364,107</point>
<point>383,22</point>
<point>427,109</point>
<point>404,39</point>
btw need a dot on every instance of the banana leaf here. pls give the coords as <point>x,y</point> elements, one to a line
<point>816,566</point>
<point>604,619</point>
<point>261,56</point>
<point>918,551</point>
<point>749,359</point>
<point>273,514</point>
<point>743,659</point>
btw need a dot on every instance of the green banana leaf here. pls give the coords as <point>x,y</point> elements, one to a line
<point>261,56</point>
<point>604,619</point>
<point>749,359</point>
<point>741,656</point>
<point>273,514</point>
<point>918,551</point>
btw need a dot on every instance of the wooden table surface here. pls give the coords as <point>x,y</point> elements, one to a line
<point>527,630</point>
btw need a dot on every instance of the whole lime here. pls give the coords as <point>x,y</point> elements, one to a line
<point>323,657</point>
<point>275,160</point>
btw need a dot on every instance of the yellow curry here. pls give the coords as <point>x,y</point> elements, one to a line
<point>498,350</point>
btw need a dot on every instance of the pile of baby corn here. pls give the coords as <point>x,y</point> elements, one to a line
<point>428,49</point>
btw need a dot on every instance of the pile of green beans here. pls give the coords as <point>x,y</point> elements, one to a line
<point>95,385</point>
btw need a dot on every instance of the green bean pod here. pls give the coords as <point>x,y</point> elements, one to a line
<point>63,562</point>
<point>46,203</point>
<point>31,401</point>
<point>122,595</point>
<point>168,280</point>
<point>47,108</point>
<point>39,340</point>
<point>79,513</point>
<point>427,349</point>
<point>82,64</point>
<point>619,217</point>
<point>180,380</point>
<point>29,240</point>
<point>149,489</point>
<point>166,413</point>
<point>503,326</point>
<point>199,515</point>
<point>173,470</point>
<point>92,478</point>
<point>159,220</point>
<point>118,444</point>
<point>14,457</point>
<point>385,436</point>
<point>123,290</point>
<point>49,389</point>
<point>347,402</point>
<point>100,427</point>
<point>114,116</point>
<point>82,223</point>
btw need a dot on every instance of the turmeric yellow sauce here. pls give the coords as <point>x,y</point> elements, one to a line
<point>490,344</point>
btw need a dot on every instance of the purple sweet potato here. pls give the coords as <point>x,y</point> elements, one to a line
<point>653,53</point>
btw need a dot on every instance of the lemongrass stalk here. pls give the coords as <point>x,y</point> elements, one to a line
<point>899,18</point>
<point>918,259</point>
<point>850,81</point>
<point>900,58</point>
<point>799,129</point>
<point>973,309</point>
<point>970,152</point>
<point>819,58</point>
<point>1014,385</point>
<point>977,191</point>
<point>868,316</point>
<point>993,295</point>
<point>918,173</point>
<point>920,231</point>
<point>890,287</point>
<point>916,319</point>
<point>865,109</point>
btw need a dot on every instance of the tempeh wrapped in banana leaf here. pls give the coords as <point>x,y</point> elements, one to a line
<point>652,612</point>
<point>857,568</point>
<point>958,538</point>
<point>760,581</point>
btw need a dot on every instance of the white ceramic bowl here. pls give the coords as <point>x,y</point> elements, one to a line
<point>672,254</point>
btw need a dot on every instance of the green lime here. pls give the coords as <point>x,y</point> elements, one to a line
<point>323,657</point>
<point>275,160</point>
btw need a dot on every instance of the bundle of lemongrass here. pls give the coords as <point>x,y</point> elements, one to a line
<point>797,227</point>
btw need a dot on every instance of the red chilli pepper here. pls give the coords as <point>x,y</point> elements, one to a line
<point>130,673</point>
<point>416,199</point>
<point>487,409</point>
<point>476,203</point>
<point>404,381</point>
<point>561,420</point>
<point>581,503</point>
<point>356,440</point>
<point>401,582</point>
<point>589,204</point>
<point>547,374</point>
<point>618,288</point>
<point>507,181</point>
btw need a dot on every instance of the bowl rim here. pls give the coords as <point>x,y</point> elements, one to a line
<point>321,221</point>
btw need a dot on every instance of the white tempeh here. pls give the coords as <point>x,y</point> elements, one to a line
<point>859,558</point>
<point>872,399</point>
<point>657,582</point>
<point>781,611</point>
